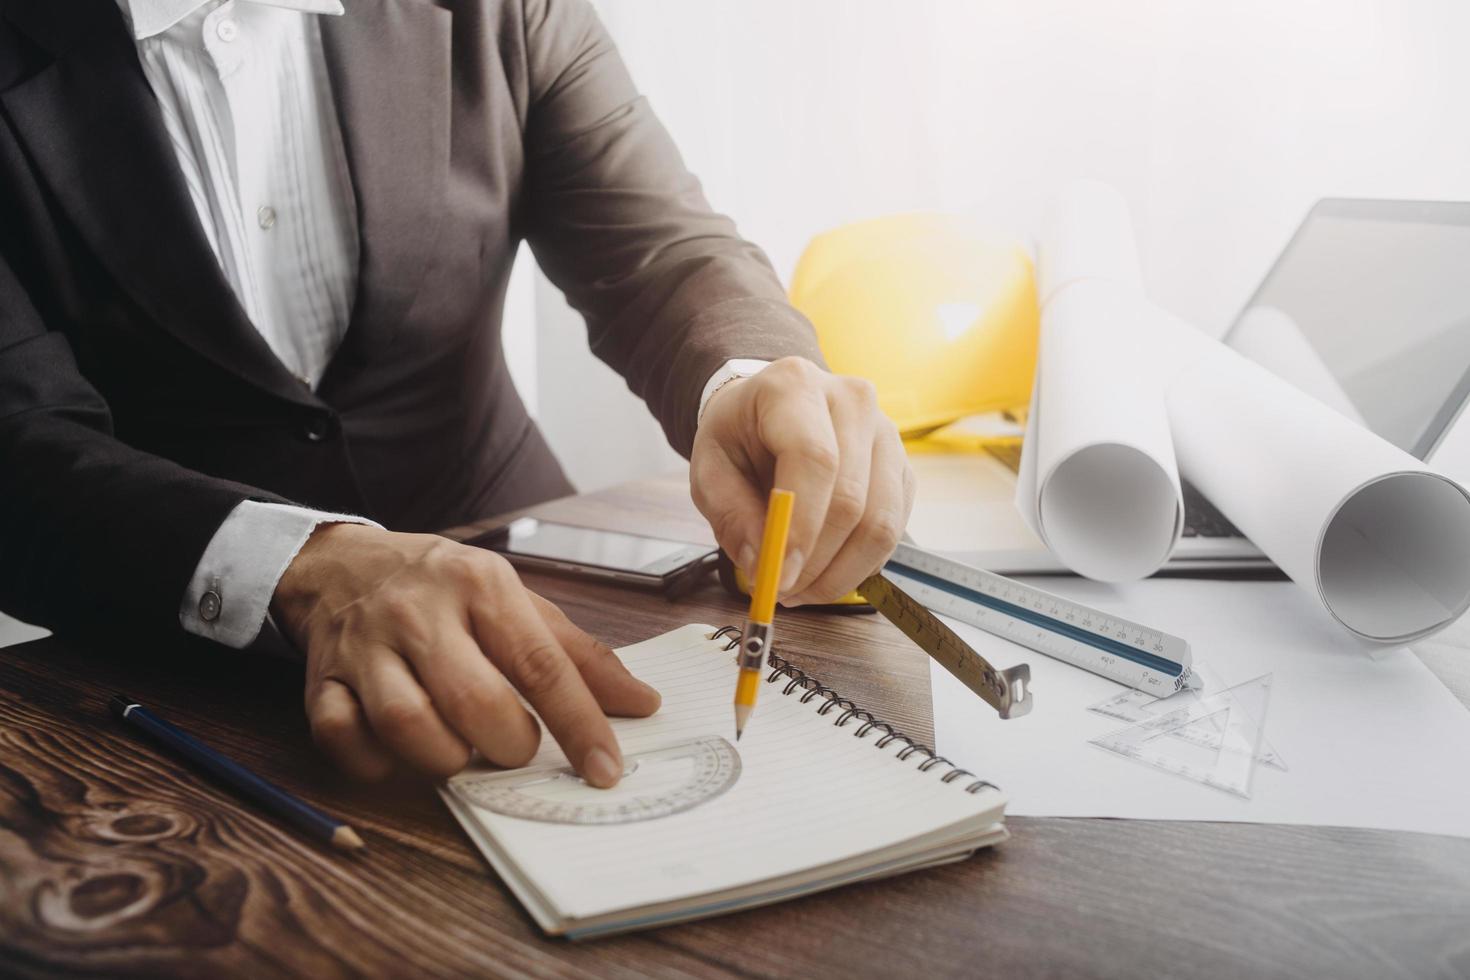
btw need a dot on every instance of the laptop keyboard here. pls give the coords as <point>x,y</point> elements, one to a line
<point>1201,519</point>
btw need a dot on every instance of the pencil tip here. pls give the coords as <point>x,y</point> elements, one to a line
<point>346,839</point>
<point>742,715</point>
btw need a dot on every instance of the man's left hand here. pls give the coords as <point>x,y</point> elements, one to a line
<point>821,436</point>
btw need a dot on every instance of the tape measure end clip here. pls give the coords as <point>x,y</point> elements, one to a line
<point>1018,683</point>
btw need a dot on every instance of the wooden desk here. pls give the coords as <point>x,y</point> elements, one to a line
<point>115,860</point>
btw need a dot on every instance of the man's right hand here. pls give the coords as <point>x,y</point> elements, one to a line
<point>415,648</point>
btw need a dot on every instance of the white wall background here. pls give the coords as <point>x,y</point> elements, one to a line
<point>1221,121</point>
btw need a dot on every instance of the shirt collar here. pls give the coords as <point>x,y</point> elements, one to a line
<point>147,18</point>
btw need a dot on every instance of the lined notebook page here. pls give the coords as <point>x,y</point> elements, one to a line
<point>809,793</point>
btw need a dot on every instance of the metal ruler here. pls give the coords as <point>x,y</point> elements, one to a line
<point>1007,691</point>
<point>1119,649</point>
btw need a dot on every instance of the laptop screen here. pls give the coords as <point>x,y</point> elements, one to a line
<point>1381,291</point>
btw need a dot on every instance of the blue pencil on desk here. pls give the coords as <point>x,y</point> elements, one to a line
<point>294,811</point>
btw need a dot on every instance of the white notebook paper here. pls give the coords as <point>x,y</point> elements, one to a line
<point>814,805</point>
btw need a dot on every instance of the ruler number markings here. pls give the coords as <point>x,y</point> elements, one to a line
<point>1124,651</point>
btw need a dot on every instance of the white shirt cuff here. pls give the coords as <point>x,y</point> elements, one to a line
<point>229,596</point>
<point>731,370</point>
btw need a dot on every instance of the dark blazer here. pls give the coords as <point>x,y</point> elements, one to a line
<point>138,405</point>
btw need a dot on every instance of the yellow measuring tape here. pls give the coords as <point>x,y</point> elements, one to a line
<point>1007,691</point>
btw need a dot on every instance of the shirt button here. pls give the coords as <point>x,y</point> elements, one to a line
<point>210,605</point>
<point>227,30</point>
<point>266,217</point>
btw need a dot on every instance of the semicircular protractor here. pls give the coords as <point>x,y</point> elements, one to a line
<point>655,784</point>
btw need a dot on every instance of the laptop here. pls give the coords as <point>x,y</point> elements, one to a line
<point>1379,291</point>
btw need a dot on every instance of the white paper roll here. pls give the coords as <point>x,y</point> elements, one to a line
<point>1273,340</point>
<point>1381,539</point>
<point>1099,483</point>
<point>1088,235</point>
<point>1122,387</point>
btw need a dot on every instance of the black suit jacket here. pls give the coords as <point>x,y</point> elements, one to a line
<point>138,405</point>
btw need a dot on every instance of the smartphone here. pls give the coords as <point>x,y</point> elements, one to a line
<point>632,559</point>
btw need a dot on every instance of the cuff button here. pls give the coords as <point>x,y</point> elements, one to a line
<point>209,606</point>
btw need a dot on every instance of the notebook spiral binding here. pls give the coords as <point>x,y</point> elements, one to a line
<point>811,688</point>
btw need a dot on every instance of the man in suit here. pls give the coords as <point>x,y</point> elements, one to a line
<point>253,256</point>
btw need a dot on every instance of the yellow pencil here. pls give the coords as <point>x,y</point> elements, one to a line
<point>758,633</point>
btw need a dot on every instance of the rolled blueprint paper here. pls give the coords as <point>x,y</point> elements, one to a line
<point>1378,537</point>
<point>1273,340</point>
<point>1098,483</point>
<point>1088,235</point>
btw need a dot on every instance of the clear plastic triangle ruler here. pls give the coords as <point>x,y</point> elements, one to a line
<point>1235,718</point>
<point>1136,706</point>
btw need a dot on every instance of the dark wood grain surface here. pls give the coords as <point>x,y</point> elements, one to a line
<point>118,861</point>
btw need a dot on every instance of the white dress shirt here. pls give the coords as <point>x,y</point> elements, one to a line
<point>245,97</point>
<point>244,94</point>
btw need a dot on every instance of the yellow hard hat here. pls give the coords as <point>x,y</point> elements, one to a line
<point>940,316</point>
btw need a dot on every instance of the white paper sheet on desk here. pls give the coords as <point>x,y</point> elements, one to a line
<point>1372,741</point>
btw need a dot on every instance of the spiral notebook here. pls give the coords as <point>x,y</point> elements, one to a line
<point>818,793</point>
